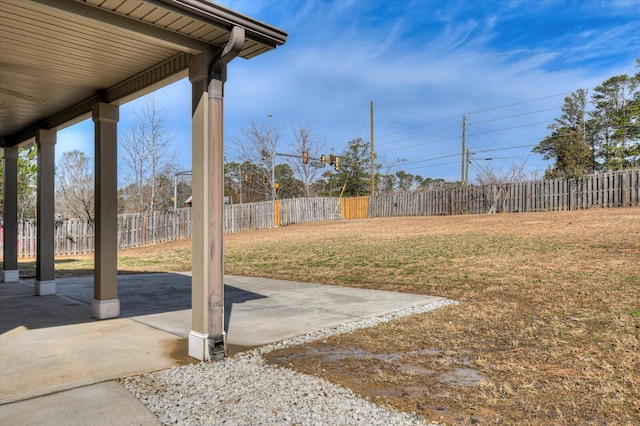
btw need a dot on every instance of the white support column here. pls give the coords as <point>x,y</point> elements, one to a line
<point>105,288</point>
<point>10,272</point>
<point>45,283</point>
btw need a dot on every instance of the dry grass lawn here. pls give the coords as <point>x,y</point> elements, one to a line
<point>547,330</point>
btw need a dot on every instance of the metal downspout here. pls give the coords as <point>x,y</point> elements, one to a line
<point>217,77</point>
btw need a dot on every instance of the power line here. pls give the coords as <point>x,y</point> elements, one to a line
<point>456,155</point>
<point>468,113</point>
<point>517,115</point>
<point>502,149</point>
<point>474,152</point>
<point>419,135</point>
<point>413,127</point>
<point>495,143</point>
<point>479,167</point>
<point>409,112</point>
<point>509,158</point>
<point>472,135</point>
<point>514,127</point>
<point>455,127</point>
<point>432,159</point>
<point>427,166</point>
<point>421,144</point>
<point>519,103</point>
<point>454,137</point>
<point>475,135</point>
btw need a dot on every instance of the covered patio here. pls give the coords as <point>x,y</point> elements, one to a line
<point>63,61</point>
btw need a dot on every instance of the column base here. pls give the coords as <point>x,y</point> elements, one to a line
<point>44,288</point>
<point>10,276</point>
<point>207,348</point>
<point>105,309</point>
<point>199,346</point>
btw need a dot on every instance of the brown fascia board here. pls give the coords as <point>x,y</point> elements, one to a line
<point>206,11</point>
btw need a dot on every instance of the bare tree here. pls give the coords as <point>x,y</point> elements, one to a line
<point>256,144</point>
<point>75,195</point>
<point>306,140</point>
<point>502,176</point>
<point>146,158</point>
<point>500,179</point>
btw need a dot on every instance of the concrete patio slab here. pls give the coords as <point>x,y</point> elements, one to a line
<point>89,405</point>
<point>50,344</point>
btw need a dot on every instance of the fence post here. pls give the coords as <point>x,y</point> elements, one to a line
<point>276,213</point>
<point>623,189</point>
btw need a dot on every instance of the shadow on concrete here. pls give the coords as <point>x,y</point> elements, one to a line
<point>139,294</point>
<point>234,296</point>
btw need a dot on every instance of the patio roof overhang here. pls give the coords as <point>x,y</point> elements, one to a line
<point>62,61</point>
<point>60,57</point>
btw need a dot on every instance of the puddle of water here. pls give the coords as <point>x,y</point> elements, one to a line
<point>459,376</point>
<point>463,377</point>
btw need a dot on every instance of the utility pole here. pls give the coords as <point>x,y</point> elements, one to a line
<point>466,172</point>
<point>464,153</point>
<point>373,175</point>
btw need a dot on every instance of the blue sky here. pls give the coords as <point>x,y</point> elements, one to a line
<point>506,65</point>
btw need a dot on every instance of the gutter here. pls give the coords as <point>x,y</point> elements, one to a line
<point>208,12</point>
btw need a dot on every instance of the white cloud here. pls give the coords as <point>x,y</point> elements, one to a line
<point>436,59</point>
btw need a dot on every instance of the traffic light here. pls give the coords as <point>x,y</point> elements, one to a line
<point>337,160</point>
<point>323,159</point>
<point>305,157</point>
<point>332,160</point>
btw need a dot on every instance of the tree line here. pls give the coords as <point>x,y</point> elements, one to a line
<point>263,174</point>
<point>598,130</point>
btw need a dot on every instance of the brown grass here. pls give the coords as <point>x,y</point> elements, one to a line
<point>548,319</point>
<point>547,330</point>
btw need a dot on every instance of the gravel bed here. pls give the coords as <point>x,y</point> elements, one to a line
<point>244,390</point>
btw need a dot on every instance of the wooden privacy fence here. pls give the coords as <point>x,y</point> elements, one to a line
<point>76,236</point>
<point>247,217</point>
<point>432,202</point>
<point>611,189</point>
<point>301,210</point>
<point>140,229</point>
<point>354,208</point>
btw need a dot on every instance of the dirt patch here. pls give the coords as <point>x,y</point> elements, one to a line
<point>400,380</point>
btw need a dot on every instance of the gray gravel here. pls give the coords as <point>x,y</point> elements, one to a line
<point>244,390</point>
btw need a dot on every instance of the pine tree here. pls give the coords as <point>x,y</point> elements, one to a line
<point>615,122</point>
<point>568,143</point>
